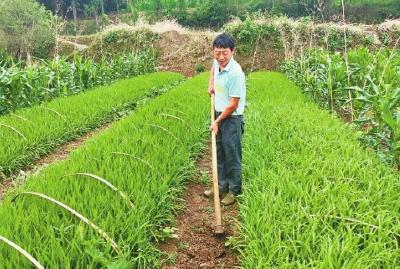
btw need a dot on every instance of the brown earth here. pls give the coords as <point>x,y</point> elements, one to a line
<point>195,245</point>
<point>179,49</point>
<point>182,51</point>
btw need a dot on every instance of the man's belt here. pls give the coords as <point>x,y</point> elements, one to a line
<point>231,116</point>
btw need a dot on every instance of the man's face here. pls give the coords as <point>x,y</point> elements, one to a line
<point>223,55</point>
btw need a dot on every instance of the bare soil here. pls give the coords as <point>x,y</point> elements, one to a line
<point>181,51</point>
<point>196,246</point>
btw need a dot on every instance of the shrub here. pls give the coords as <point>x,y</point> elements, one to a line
<point>28,28</point>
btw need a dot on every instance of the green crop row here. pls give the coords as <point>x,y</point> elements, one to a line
<point>364,88</point>
<point>313,198</point>
<point>24,86</point>
<point>146,155</point>
<point>29,133</point>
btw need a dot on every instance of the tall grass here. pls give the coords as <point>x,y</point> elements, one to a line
<point>57,239</point>
<point>35,84</point>
<point>313,198</point>
<point>29,133</point>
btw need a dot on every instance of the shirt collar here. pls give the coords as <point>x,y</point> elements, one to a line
<point>228,66</point>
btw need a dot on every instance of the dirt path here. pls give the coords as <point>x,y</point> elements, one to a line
<point>196,246</point>
<point>62,153</point>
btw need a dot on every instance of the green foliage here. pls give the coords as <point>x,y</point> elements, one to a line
<point>3,41</point>
<point>200,68</point>
<point>358,11</point>
<point>248,34</point>
<point>313,198</point>
<point>208,15</point>
<point>6,60</point>
<point>111,37</point>
<point>28,28</point>
<point>182,10</point>
<point>121,41</point>
<point>83,27</point>
<point>55,238</point>
<point>35,84</point>
<point>43,128</point>
<point>292,36</point>
<point>368,92</point>
<point>369,11</point>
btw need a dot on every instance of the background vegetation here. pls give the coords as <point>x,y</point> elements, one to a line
<point>27,28</point>
<point>366,10</point>
<point>24,85</point>
<point>362,87</point>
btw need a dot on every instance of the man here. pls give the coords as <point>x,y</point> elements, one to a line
<point>227,82</point>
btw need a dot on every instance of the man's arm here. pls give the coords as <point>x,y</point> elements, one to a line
<point>233,105</point>
<point>211,81</point>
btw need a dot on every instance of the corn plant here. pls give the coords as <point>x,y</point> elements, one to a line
<point>35,84</point>
<point>366,93</point>
<point>313,197</point>
<point>56,238</point>
<point>6,60</point>
<point>29,133</point>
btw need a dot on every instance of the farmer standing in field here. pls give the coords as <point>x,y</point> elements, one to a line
<point>227,82</point>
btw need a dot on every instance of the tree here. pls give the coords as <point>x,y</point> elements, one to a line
<point>96,8</point>
<point>209,14</point>
<point>28,26</point>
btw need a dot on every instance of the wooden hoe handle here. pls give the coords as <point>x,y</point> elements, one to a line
<point>219,229</point>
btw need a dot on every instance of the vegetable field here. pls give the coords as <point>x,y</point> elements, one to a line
<point>145,157</point>
<point>362,86</point>
<point>30,133</point>
<point>313,197</point>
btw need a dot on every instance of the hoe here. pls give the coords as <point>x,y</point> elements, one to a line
<point>219,229</point>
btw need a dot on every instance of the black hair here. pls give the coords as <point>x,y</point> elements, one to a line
<point>225,41</point>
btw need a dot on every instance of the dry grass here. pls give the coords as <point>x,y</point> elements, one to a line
<point>3,41</point>
<point>181,49</point>
<point>75,45</point>
<point>390,25</point>
<point>160,27</point>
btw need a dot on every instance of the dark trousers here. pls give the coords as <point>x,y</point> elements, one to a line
<point>229,154</point>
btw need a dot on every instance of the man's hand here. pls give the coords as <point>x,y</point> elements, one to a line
<point>214,127</point>
<point>210,90</point>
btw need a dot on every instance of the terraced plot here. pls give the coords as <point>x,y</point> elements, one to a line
<point>313,197</point>
<point>30,133</point>
<point>147,156</point>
